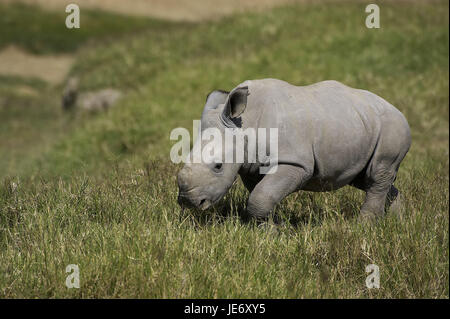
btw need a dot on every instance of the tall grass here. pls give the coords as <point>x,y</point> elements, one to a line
<point>103,196</point>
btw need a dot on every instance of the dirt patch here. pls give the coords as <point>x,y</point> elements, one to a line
<point>178,10</point>
<point>50,68</point>
<point>53,69</point>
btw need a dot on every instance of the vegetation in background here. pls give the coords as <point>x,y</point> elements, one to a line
<point>102,193</point>
<point>40,31</point>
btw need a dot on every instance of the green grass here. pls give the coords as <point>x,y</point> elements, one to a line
<point>103,194</point>
<point>41,31</point>
<point>30,114</point>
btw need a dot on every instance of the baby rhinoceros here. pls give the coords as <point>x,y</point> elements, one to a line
<point>329,136</point>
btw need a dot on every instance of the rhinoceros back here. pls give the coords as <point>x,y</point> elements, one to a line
<point>328,128</point>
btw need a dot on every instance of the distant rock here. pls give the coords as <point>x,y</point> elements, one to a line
<point>93,101</point>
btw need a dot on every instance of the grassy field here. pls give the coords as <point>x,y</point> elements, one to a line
<point>100,191</point>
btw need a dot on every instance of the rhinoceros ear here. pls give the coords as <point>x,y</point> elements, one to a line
<point>237,102</point>
<point>214,99</point>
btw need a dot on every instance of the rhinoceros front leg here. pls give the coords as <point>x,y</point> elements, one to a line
<point>273,188</point>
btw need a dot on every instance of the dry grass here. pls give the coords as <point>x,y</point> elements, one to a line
<point>102,194</point>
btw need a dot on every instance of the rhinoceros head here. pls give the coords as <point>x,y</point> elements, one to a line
<point>204,183</point>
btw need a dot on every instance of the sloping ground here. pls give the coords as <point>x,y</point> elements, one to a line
<point>15,61</point>
<point>179,10</point>
<point>35,42</point>
<point>104,196</point>
<point>50,68</point>
<point>36,52</point>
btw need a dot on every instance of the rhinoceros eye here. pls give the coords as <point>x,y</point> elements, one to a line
<point>218,167</point>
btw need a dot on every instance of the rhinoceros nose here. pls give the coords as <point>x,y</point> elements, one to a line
<point>184,177</point>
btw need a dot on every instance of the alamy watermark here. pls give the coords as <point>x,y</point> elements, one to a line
<point>230,145</point>
<point>73,279</point>
<point>73,19</point>
<point>373,19</point>
<point>373,279</point>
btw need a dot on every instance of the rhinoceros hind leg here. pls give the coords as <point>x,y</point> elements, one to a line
<point>380,193</point>
<point>394,201</point>
<point>373,206</point>
<point>376,203</point>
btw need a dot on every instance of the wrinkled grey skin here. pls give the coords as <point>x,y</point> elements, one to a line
<point>329,136</point>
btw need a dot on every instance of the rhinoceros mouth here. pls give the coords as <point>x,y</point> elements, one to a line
<point>191,202</point>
